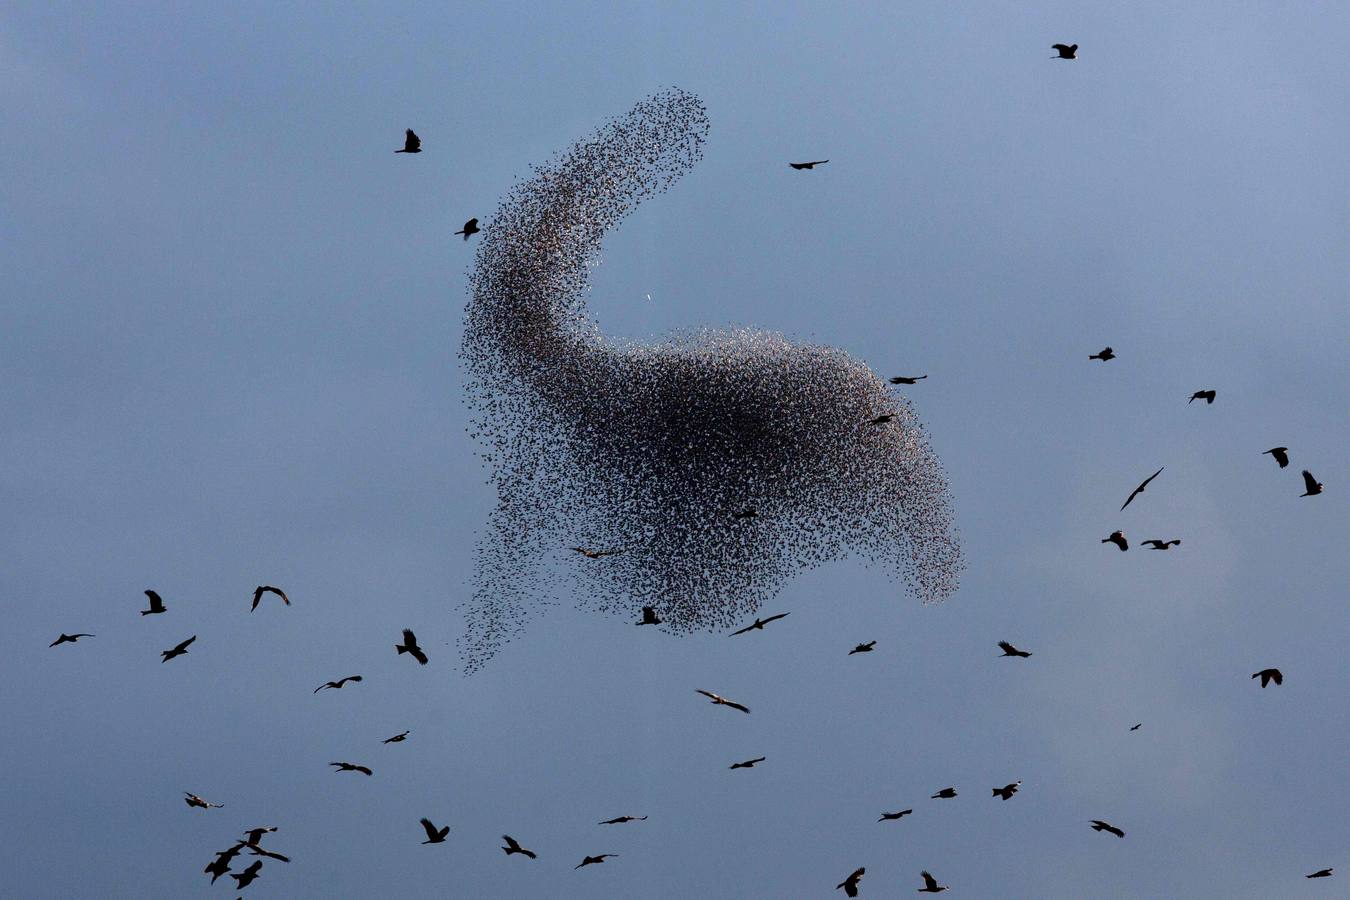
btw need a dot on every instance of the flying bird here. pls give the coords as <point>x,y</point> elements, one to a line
<point>1320,873</point>
<point>758,624</point>
<point>748,513</point>
<point>1281,455</point>
<point>1117,538</point>
<point>722,701</point>
<point>1269,675</point>
<point>1136,727</point>
<point>649,616</point>
<point>882,419</point>
<point>254,835</point>
<point>904,379</point>
<point>930,885</point>
<point>1066,51</point>
<point>68,638</point>
<point>434,836</point>
<point>350,767</point>
<point>396,739</point>
<point>850,884</point>
<point>1157,544</point>
<point>221,864</point>
<point>1099,825</point>
<point>863,648</point>
<point>156,604</point>
<point>622,819</point>
<point>178,650</point>
<point>1007,790</point>
<point>337,685</point>
<point>593,860</point>
<point>1207,396</point>
<point>1107,352</point>
<point>1139,490</point>
<point>409,645</point>
<point>892,817</point>
<point>1009,650</point>
<point>246,877</point>
<point>595,554</point>
<point>944,794</point>
<point>1311,485</point>
<point>411,143</point>
<point>748,764</point>
<point>808,165</point>
<point>512,846</point>
<point>268,589</point>
<point>470,228</point>
<point>193,800</point>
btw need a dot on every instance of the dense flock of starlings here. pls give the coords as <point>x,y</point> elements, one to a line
<point>658,613</point>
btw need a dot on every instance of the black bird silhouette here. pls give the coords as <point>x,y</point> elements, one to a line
<point>1320,873</point>
<point>748,764</point>
<point>903,379</point>
<point>1136,727</point>
<point>1066,51</point>
<point>409,645</point>
<point>1009,650</point>
<point>1311,485</point>
<point>622,819</point>
<point>434,836</point>
<point>512,846</point>
<point>722,701</point>
<point>156,604</point>
<point>882,419</point>
<point>1281,455</point>
<point>1099,825</point>
<point>470,228</point>
<point>1107,353</point>
<point>337,685</point>
<point>850,884</point>
<point>192,799</point>
<point>1139,490</point>
<point>758,624</point>
<point>69,638</point>
<point>649,616</point>
<point>863,648</point>
<point>747,513</point>
<point>930,885</point>
<point>1117,538</point>
<point>411,143</point>
<point>254,835</point>
<point>1007,790</point>
<point>593,860</point>
<point>179,650</point>
<point>1207,396</point>
<point>350,767</point>
<point>891,817</point>
<point>944,794</point>
<point>1157,544</point>
<point>246,877</point>
<point>268,589</point>
<point>808,165</point>
<point>398,738</point>
<point>221,864</point>
<point>595,554</point>
<point>1269,675</point>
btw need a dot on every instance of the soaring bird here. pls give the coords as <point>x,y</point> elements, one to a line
<point>1009,650</point>
<point>396,739</point>
<point>434,835</point>
<point>221,864</point>
<point>193,800</point>
<point>748,764</point>
<point>178,650</point>
<point>1139,490</point>
<point>907,379</point>
<point>758,624</point>
<point>411,143</point>
<point>863,648</point>
<point>1281,455</point>
<point>593,860</point>
<point>337,685</point>
<point>156,604</point>
<point>882,419</point>
<point>1066,51</point>
<point>1320,873</point>
<point>1099,825</point>
<point>622,820</point>
<point>512,846</point>
<point>595,554</point>
<point>1311,485</point>
<point>930,885</point>
<point>409,645</point>
<point>649,616</point>
<point>253,836</point>
<point>1117,538</point>
<point>722,701</point>
<point>944,794</point>
<point>1136,727</point>
<point>246,877</point>
<point>1157,544</point>
<point>808,165</point>
<point>850,884</point>
<point>1007,790</point>
<point>892,817</point>
<point>1207,396</point>
<point>1107,353</point>
<point>268,589</point>
<point>1269,675</point>
<point>470,228</point>
<point>748,513</point>
<point>350,767</point>
<point>69,638</point>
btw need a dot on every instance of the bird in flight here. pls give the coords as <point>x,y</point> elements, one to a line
<point>396,739</point>
<point>470,228</point>
<point>1009,650</point>
<point>808,165</point>
<point>593,860</point>
<point>595,554</point>
<point>178,650</point>
<point>1281,455</point>
<point>930,885</point>
<point>221,864</point>
<point>758,624</point>
<point>623,819</point>
<point>944,794</point>
<point>1007,790</point>
<point>193,800</point>
<point>1066,51</point>
<point>337,685</point>
<point>1139,490</point>
<point>409,645</point>
<point>268,589</point>
<point>1320,873</point>
<point>863,648</point>
<point>68,638</point>
<point>411,143</point>
<point>1117,538</point>
<point>156,604</point>
<point>253,835</point>
<point>1311,485</point>
<point>882,419</point>
<point>1269,675</point>
<point>649,616</point>
<point>722,701</point>
<point>1107,352</point>
<point>434,836</point>
<point>1157,544</point>
<point>903,379</point>
<point>350,767</point>
<point>1136,727</point>
<point>895,816</point>
<point>850,884</point>
<point>1207,396</point>
<point>1099,825</point>
<point>512,846</point>
<point>748,513</point>
<point>246,877</point>
<point>748,764</point>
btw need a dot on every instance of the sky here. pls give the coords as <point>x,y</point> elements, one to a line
<point>228,344</point>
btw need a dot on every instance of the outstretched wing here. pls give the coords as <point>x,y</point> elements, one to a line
<point>1309,482</point>
<point>431,830</point>
<point>929,882</point>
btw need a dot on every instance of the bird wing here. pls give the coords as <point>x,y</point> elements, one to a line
<point>1278,676</point>
<point>1309,482</point>
<point>929,882</point>
<point>257,596</point>
<point>774,617</point>
<point>1006,647</point>
<point>741,631</point>
<point>418,655</point>
<point>156,603</point>
<point>744,709</point>
<point>282,594</point>
<point>511,841</point>
<point>409,639</point>
<point>709,694</point>
<point>326,684</point>
<point>364,770</point>
<point>183,646</point>
<point>431,829</point>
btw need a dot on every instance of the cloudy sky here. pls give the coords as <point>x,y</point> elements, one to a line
<point>228,350</point>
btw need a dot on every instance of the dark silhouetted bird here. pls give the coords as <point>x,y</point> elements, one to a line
<point>1117,538</point>
<point>903,379</point>
<point>930,885</point>
<point>337,685</point>
<point>69,638</point>
<point>649,616</point>
<point>1099,825</point>
<point>595,554</point>
<point>747,513</point>
<point>268,589</point>
<point>895,816</point>
<point>1320,873</point>
<point>1007,790</point>
<point>808,165</point>
<point>178,650</point>
<point>411,143</point>
<point>219,866</point>
<point>1136,727</point>
<point>1157,544</point>
<point>882,419</point>
<point>1139,490</point>
<point>470,228</point>
<point>863,648</point>
<point>1311,485</point>
<point>722,701</point>
<point>156,604</point>
<point>253,836</point>
<point>1269,675</point>
<point>944,794</point>
<point>622,820</point>
<point>396,739</point>
<point>350,767</point>
<point>512,846</point>
<point>748,764</point>
<point>434,836</point>
<point>409,645</point>
<point>193,800</point>
<point>758,624</point>
<point>1281,455</point>
<point>1107,352</point>
<point>850,884</point>
<point>1009,650</point>
<point>1207,396</point>
<point>246,877</point>
<point>1066,51</point>
<point>593,860</point>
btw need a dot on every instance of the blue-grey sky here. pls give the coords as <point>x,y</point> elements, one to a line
<point>228,335</point>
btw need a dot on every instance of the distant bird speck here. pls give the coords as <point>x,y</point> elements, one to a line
<point>1066,51</point>
<point>69,638</point>
<point>178,650</point>
<point>1007,790</point>
<point>156,604</point>
<point>758,624</point>
<point>350,767</point>
<point>907,379</point>
<point>512,846</point>
<point>722,701</point>
<point>1320,873</point>
<point>748,764</point>
<point>1281,455</point>
<point>863,648</point>
<point>649,616</point>
<point>411,143</point>
<point>930,885</point>
<point>1158,544</point>
<point>1099,825</point>
<point>944,794</point>
<point>1009,650</point>
<point>1139,490</point>
<point>1117,538</point>
<point>337,685</point>
<point>434,835</point>
<point>1207,396</point>
<point>409,646</point>
<point>1106,354</point>
<point>470,228</point>
<point>621,820</point>
<point>1311,486</point>
<point>895,816</point>
<point>1269,675</point>
<point>593,860</point>
<point>397,739</point>
<point>192,799</point>
<point>808,165</point>
<point>268,589</point>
